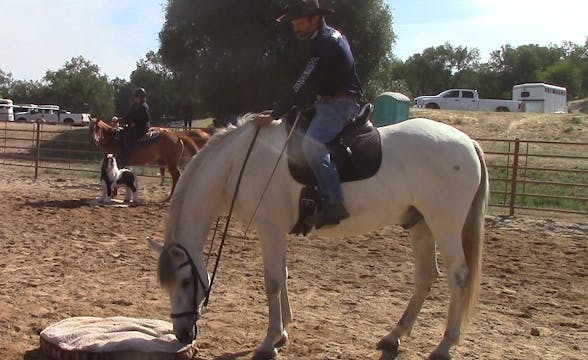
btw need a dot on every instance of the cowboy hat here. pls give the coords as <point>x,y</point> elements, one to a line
<point>303,8</point>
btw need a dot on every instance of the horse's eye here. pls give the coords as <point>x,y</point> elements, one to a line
<point>185,283</point>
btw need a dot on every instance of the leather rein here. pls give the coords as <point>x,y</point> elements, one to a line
<point>196,276</point>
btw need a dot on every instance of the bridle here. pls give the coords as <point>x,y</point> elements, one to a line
<point>198,282</point>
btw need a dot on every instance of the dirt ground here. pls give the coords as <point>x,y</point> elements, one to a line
<point>61,258</point>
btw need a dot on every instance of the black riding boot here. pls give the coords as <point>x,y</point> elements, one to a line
<point>330,214</point>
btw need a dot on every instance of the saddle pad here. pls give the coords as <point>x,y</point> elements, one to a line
<point>363,161</point>
<point>115,338</point>
<point>150,136</point>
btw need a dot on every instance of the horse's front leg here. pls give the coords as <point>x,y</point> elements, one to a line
<point>273,245</point>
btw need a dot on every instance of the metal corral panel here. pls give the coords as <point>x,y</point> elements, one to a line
<point>391,108</point>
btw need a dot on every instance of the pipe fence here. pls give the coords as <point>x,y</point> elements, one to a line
<point>529,175</point>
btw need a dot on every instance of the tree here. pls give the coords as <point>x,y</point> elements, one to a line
<point>439,68</point>
<point>31,92</point>
<point>5,83</point>
<point>237,58</point>
<point>157,79</point>
<point>123,92</point>
<point>80,86</point>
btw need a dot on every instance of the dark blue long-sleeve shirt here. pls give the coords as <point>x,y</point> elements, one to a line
<point>138,117</point>
<point>330,71</point>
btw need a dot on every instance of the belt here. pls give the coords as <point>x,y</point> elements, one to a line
<point>346,96</point>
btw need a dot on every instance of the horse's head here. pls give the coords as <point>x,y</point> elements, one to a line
<point>186,286</point>
<point>95,132</point>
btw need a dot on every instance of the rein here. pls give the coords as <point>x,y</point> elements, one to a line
<point>229,216</point>
<point>197,278</point>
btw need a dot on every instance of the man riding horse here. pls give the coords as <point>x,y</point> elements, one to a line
<point>136,124</point>
<point>331,76</point>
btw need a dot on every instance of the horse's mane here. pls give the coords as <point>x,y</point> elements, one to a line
<point>183,187</point>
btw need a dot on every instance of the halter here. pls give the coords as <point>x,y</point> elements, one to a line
<point>197,279</point>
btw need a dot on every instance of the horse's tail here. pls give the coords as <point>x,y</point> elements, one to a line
<point>472,238</point>
<point>189,146</point>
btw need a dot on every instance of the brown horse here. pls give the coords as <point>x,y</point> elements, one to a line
<point>167,148</point>
<point>193,139</point>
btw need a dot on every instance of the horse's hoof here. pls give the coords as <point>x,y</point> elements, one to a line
<point>438,356</point>
<point>388,348</point>
<point>265,355</point>
<point>388,345</point>
<point>282,342</point>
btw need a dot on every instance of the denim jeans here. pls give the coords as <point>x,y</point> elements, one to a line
<point>129,137</point>
<point>331,117</point>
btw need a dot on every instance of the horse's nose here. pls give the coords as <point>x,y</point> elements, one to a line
<point>187,337</point>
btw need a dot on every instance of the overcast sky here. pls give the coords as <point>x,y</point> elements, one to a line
<point>37,35</point>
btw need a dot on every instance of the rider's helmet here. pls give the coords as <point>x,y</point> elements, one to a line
<point>140,92</point>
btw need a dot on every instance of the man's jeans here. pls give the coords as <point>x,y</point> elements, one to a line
<point>129,137</point>
<point>331,117</point>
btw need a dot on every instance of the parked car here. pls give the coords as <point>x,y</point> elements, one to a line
<point>466,99</point>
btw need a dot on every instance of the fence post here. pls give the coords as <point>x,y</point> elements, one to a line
<point>515,171</point>
<point>37,148</point>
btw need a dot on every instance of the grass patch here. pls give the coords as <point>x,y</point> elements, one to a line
<point>576,120</point>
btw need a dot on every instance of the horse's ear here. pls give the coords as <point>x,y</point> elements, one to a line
<point>154,245</point>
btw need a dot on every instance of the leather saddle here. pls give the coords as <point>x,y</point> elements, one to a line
<point>356,152</point>
<point>150,137</point>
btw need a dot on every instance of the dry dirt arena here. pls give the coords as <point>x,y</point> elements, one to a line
<point>61,258</point>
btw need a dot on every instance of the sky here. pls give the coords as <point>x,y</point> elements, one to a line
<point>41,35</point>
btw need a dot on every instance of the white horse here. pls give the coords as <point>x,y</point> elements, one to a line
<point>431,173</point>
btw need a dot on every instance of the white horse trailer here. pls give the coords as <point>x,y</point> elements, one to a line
<point>541,98</point>
<point>6,111</point>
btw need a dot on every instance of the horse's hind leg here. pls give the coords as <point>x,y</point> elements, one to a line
<point>161,174</point>
<point>425,258</point>
<point>175,175</point>
<point>451,249</point>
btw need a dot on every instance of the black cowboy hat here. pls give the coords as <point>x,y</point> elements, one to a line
<point>303,8</point>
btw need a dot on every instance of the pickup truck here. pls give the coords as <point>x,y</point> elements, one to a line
<point>52,115</point>
<point>466,99</point>
<point>68,118</point>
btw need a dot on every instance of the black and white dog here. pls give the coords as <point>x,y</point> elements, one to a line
<point>112,177</point>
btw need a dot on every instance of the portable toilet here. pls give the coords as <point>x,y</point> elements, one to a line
<point>390,108</point>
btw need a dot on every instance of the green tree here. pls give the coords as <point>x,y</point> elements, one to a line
<point>5,83</point>
<point>123,92</point>
<point>237,58</point>
<point>439,68</point>
<point>28,92</point>
<point>80,86</point>
<point>158,80</point>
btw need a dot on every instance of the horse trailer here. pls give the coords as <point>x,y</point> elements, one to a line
<point>6,110</point>
<point>541,98</point>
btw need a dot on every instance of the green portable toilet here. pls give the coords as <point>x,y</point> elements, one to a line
<point>390,108</point>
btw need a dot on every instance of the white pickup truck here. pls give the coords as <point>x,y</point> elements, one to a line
<point>51,114</point>
<point>466,99</point>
